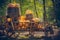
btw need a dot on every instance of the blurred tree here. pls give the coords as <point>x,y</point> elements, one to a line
<point>56,4</point>
<point>35,8</point>
<point>44,8</point>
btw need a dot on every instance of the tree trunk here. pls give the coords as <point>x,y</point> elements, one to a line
<point>35,8</point>
<point>44,14</point>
